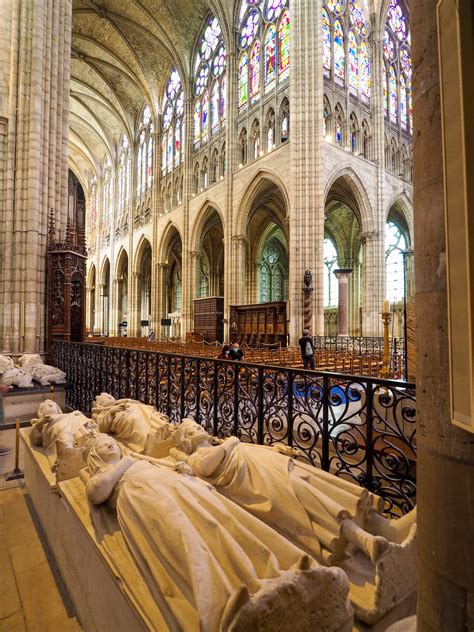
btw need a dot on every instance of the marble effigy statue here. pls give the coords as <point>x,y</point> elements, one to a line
<point>13,376</point>
<point>52,425</point>
<point>333,520</point>
<point>45,374</point>
<point>209,564</point>
<point>138,426</point>
<point>318,511</point>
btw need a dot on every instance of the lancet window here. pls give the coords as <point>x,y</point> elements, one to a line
<point>331,289</point>
<point>93,202</point>
<point>209,84</point>
<point>123,177</point>
<point>145,151</point>
<point>346,50</point>
<point>398,68</point>
<point>172,145</point>
<point>107,191</point>
<point>273,272</point>
<point>264,44</point>
<point>395,245</point>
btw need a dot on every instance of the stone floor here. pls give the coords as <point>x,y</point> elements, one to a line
<point>32,594</point>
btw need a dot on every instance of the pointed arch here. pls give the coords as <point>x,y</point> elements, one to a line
<point>353,182</point>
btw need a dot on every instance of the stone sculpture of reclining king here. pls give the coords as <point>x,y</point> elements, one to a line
<point>209,564</point>
<point>30,367</point>
<point>329,519</point>
<point>335,521</point>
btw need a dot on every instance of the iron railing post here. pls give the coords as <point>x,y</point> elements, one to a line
<point>260,405</point>
<point>325,434</point>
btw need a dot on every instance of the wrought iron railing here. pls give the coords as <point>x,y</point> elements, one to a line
<point>359,428</point>
<point>362,345</point>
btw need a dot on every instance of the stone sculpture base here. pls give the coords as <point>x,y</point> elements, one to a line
<point>103,581</point>
<point>103,601</point>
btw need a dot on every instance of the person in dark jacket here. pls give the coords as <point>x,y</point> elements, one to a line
<point>307,349</point>
<point>236,352</point>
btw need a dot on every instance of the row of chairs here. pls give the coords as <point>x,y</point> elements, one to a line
<point>335,361</point>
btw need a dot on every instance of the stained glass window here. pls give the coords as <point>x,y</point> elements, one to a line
<point>284,41</point>
<point>410,108</point>
<point>255,72</point>
<point>336,6</point>
<point>397,53</point>
<point>173,127</point>
<point>385,92</point>
<point>270,57</point>
<point>326,43</point>
<point>397,20</point>
<point>273,9</point>
<point>209,82</point>
<point>365,87</point>
<point>149,160</point>
<point>177,144</point>
<point>215,107</point>
<point>223,97</point>
<point>339,53</point>
<point>353,63</point>
<point>357,18</point>
<point>395,244</point>
<point>265,45</point>
<point>249,29</point>
<point>273,271</point>
<point>145,151</point>
<point>205,117</point>
<point>93,203</point>
<point>169,151</point>
<point>197,122</point>
<point>243,79</point>
<point>403,103</point>
<point>392,94</point>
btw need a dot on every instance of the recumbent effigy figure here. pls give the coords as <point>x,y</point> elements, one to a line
<point>53,425</point>
<point>326,516</point>
<point>209,564</point>
<point>136,425</point>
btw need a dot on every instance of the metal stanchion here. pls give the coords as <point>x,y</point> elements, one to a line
<point>16,473</point>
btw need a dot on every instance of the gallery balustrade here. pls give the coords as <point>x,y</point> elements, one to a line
<point>360,428</point>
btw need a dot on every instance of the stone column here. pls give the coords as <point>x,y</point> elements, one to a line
<point>134,315</point>
<point>160,298</point>
<point>372,282</point>
<point>306,167</point>
<point>34,174</point>
<point>188,274</point>
<point>239,257</point>
<point>445,466</point>
<point>342,275</point>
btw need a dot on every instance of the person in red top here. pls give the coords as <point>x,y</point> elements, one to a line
<point>225,353</point>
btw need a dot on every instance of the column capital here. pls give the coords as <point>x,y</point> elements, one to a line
<point>239,239</point>
<point>342,273</point>
<point>161,265</point>
<point>194,254</point>
<point>370,235</point>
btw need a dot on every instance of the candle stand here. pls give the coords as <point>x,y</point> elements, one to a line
<point>387,319</point>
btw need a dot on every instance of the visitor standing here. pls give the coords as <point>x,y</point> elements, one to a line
<point>307,349</point>
<point>236,352</point>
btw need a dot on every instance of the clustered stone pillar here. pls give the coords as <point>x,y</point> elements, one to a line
<point>445,461</point>
<point>34,177</point>
<point>306,167</point>
<point>342,275</point>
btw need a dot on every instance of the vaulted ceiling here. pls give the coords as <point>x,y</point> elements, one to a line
<point>122,53</point>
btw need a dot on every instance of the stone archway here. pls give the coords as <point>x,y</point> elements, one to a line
<point>342,229</point>
<point>122,293</point>
<point>267,262</point>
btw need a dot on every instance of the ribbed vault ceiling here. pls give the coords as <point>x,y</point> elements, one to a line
<point>122,52</point>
